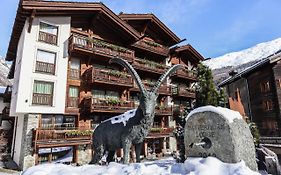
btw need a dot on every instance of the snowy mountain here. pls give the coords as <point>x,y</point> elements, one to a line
<point>254,53</point>
<point>240,60</point>
<point>4,71</point>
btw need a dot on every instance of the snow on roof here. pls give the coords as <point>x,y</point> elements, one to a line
<point>122,118</point>
<point>192,166</point>
<point>228,114</point>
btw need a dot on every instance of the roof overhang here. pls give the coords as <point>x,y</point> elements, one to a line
<point>187,50</point>
<point>27,8</point>
<point>151,21</point>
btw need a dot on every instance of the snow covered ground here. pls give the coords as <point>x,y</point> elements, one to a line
<point>192,166</point>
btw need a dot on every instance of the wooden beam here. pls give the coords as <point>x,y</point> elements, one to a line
<point>30,20</point>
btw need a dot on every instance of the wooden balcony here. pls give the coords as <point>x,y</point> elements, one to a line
<point>106,76</point>
<point>78,42</point>
<point>150,66</point>
<point>75,136</point>
<point>186,74</point>
<point>107,105</point>
<point>73,102</point>
<point>160,132</point>
<point>183,92</point>
<point>47,38</point>
<point>152,47</point>
<point>74,74</point>
<point>42,99</point>
<point>45,67</point>
<point>163,89</point>
<point>163,110</point>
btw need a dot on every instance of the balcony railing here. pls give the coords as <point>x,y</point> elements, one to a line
<point>183,92</point>
<point>163,89</point>
<point>97,75</point>
<point>152,47</point>
<point>61,137</point>
<point>150,66</point>
<point>74,73</point>
<point>45,67</point>
<point>187,74</point>
<point>73,102</point>
<point>99,47</point>
<point>107,105</point>
<point>160,132</point>
<point>42,99</point>
<point>47,38</point>
<point>163,110</point>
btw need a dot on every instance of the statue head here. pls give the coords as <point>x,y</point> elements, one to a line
<point>148,99</point>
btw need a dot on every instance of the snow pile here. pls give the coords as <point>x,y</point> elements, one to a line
<point>228,114</point>
<point>192,166</point>
<point>254,53</point>
<point>122,118</point>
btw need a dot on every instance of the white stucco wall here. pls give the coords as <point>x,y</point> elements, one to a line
<point>18,140</point>
<point>25,68</point>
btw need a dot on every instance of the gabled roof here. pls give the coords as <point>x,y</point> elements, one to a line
<point>141,22</point>
<point>265,61</point>
<point>188,52</point>
<point>27,8</point>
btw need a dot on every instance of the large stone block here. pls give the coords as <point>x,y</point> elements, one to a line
<point>221,133</point>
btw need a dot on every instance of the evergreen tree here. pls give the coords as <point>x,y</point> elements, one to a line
<point>222,100</point>
<point>206,93</point>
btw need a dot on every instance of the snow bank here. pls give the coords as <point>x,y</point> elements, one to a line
<point>192,166</point>
<point>228,114</point>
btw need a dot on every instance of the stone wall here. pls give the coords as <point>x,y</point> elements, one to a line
<point>27,156</point>
<point>84,154</point>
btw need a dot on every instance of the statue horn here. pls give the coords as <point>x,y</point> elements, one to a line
<point>164,76</point>
<point>131,70</point>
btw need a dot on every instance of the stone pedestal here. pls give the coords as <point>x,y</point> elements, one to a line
<point>210,132</point>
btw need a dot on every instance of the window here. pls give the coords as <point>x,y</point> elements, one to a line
<point>45,62</point>
<point>267,105</point>
<point>73,96</point>
<point>49,121</point>
<point>265,86</point>
<point>48,33</point>
<point>43,93</point>
<point>278,83</point>
<point>75,68</point>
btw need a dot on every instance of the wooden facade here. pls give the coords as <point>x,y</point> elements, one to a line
<point>260,96</point>
<point>105,90</point>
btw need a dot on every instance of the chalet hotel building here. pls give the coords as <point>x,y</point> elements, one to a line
<point>64,85</point>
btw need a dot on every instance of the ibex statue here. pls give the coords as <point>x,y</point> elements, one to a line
<point>131,127</point>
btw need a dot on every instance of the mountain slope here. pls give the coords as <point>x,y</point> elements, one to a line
<point>4,71</point>
<point>254,53</point>
<point>240,60</point>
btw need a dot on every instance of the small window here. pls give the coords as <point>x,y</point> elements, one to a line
<point>45,62</point>
<point>74,68</point>
<point>73,96</point>
<point>267,105</point>
<point>43,93</point>
<point>265,86</point>
<point>48,33</point>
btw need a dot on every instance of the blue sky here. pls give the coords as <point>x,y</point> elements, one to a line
<point>213,27</point>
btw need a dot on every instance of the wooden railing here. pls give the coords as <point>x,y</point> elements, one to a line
<point>54,136</point>
<point>106,105</point>
<point>161,131</point>
<point>73,102</point>
<point>163,89</point>
<point>45,67</point>
<point>149,65</point>
<point>163,110</point>
<point>74,73</point>
<point>152,47</point>
<point>47,38</point>
<point>98,46</point>
<point>183,92</point>
<point>188,74</point>
<point>42,99</point>
<point>97,75</point>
